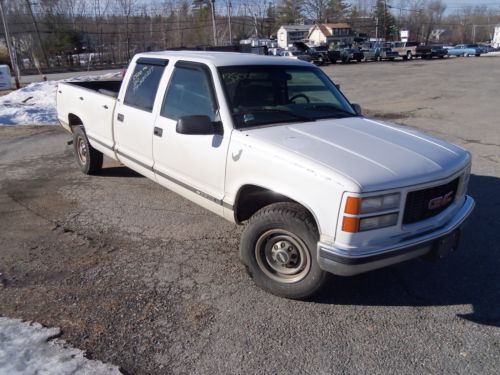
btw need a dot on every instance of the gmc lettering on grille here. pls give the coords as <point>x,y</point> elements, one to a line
<point>441,201</point>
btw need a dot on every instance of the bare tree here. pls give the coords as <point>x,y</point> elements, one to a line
<point>126,7</point>
<point>434,12</point>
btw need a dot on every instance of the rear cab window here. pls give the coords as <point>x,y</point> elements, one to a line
<point>143,83</point>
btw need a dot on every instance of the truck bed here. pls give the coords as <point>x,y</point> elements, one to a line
<point>92,104</point>
<point>110,88</point>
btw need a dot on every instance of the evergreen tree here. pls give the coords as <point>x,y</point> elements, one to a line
<point>290,11</point>
<point>386,21</point>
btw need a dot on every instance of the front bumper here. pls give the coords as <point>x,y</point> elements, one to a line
<point>343,263</point>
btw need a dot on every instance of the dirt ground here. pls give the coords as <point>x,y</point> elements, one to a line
<point>146,280</point>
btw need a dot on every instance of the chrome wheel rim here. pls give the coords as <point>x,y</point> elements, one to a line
<point>282,256</point>
<point>81,150</point>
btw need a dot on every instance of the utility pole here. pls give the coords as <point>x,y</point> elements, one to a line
<point>385,21</point>
<point>13,58</point>
<point>28,4</point>
<point>212,4</point>
<point>229,6</point>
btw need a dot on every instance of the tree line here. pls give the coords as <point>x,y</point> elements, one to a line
<point>61,33</point>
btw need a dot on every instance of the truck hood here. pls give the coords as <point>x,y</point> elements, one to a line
<point>372,154</point>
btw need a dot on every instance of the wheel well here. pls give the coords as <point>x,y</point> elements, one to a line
<point>74,120</point>
<point>251,199</point>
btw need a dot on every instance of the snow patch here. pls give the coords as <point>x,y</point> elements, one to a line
<point>35,104</point>
<point>29,348</point>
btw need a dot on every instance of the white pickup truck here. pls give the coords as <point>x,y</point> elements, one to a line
<point>272,143</point>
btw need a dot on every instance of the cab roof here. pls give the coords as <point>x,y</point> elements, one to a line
<point>224,58</point>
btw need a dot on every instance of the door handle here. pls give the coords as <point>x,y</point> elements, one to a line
<point>120,117</point>
<point>158,131</point>
<point>105,106</point>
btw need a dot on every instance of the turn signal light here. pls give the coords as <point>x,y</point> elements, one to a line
<point>353,206</point>
<point>350,224</point>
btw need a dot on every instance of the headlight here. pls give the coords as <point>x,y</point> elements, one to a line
<point>375,222</point>
<point>358,207</point>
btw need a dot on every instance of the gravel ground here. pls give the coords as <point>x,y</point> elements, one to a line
<point>141,278</point>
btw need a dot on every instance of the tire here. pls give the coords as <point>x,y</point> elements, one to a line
<point>285,230</point>
<point>478,54</point>
<point>88,158</point>
<point>409,56</point>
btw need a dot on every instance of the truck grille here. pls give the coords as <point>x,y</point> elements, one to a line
<point>426,203</point>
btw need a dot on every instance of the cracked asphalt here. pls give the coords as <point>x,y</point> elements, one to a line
<point>148,281</point>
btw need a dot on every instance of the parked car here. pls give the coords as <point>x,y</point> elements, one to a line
<point>430,51</point>
<point>386,53</point>
<point>405,50</point>
<point>465,50</point>
<point>334,55</point>
<point>351,54</point>
<point>323,52</point>
<point>315,57</point>
<point>274,145</point>
<point>297,55</point>
<point>380,53</point>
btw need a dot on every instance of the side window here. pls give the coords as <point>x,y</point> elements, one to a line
<point>189,93</point>
<point>142,87</point>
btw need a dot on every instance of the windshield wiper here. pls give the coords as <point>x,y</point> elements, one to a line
<point>280,111</point>
<point>326,107</point>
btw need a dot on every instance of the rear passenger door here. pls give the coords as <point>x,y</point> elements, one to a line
<point>134,115</point>
<point>192,165</point>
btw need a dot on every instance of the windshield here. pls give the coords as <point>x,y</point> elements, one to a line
<point>272,94</point>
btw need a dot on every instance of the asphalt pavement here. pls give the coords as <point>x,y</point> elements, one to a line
<point>148,281</point>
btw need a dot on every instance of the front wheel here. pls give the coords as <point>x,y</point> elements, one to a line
<point>88,158</point>
<point>278,248</point>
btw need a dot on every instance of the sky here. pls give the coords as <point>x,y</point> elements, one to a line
<point>452,4</point>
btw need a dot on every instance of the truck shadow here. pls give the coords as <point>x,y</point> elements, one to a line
<point>119,171</point>
<point>471,276</point>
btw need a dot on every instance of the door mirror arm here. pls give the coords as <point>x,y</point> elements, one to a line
<point>357,109</point>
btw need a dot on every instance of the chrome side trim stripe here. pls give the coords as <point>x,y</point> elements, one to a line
<point>177,182</point>
<point>101,143</point>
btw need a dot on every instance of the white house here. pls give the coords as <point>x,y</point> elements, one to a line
<point>322,33</point>
<point>287,34</point>
<point>495,42</point>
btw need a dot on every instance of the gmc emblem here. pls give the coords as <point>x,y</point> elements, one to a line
<point>441,201</point>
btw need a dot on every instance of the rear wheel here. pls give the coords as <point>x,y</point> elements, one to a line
<point>278,248</point>
<point>88,158</point>
<point>409,56</point>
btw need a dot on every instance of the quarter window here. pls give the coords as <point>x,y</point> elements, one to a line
<point>143,85</point>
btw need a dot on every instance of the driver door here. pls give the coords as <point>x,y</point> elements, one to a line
<point>192,165</point>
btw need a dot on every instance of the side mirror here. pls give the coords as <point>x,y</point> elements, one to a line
<point>357,109</point>
<point>337,86</point>
<point>195,125</point>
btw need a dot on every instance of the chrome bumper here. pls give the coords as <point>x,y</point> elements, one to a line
<point>343,263</point>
